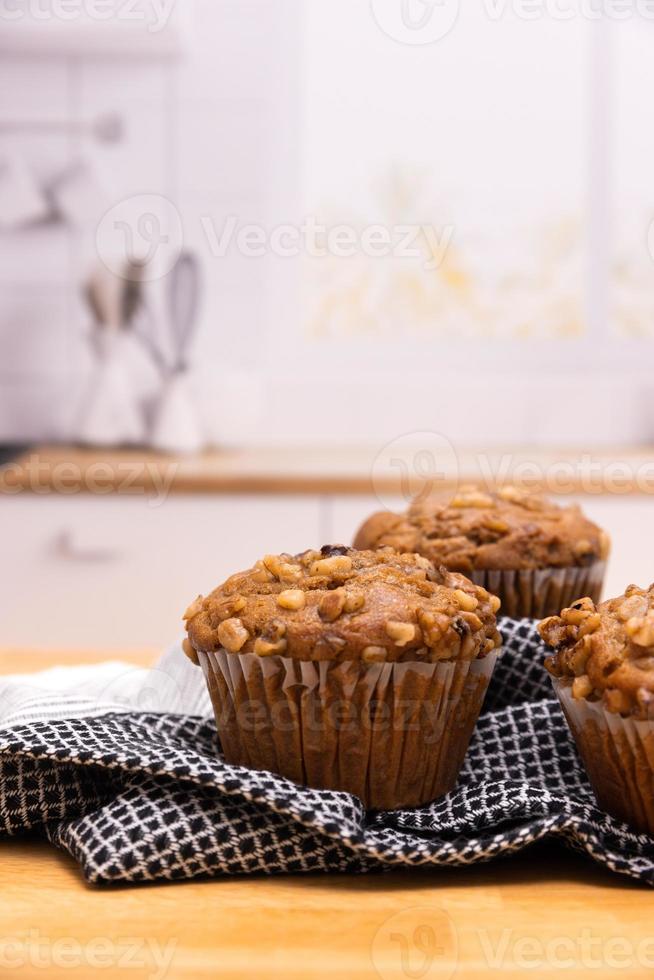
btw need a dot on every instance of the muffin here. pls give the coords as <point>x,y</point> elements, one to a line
<point>603,673</point>
<point>348,670</point>
<point>535,555</point>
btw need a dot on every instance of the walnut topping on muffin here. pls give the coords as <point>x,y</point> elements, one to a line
<point>607,651</point>
<point>479,529</point>
<point>345,604</point>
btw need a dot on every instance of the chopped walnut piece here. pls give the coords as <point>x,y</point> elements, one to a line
<point>336,566</point>
<point>193,610</point>
<point>269,648</point>
<point>641,630</point>
<point>233,635</point>
<point>332,605</point>
<point>401,633</point>
<point>581,687</point>
<point>374,655</point>
<point>354,602</point>
<point>190,652</point>
<point>292,599</point>
<point>465,600</point>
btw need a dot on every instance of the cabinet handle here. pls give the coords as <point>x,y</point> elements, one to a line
<point>63,547</point>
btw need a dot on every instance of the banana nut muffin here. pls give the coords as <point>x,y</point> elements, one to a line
<point>607,651</point>
<point>533,553</point>
<point>603,674</point>
<point>342,604</point>
<point>348,670</point>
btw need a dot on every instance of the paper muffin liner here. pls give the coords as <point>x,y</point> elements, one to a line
<point>540,592</point>
<point>618,754</point>
<point>393,734</point>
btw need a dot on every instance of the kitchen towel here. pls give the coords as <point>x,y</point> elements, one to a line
<point>122,769</point>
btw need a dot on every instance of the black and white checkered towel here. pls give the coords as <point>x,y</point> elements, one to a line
<point>137,793</point>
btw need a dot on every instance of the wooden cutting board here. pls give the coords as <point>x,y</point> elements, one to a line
<point>545,911</point>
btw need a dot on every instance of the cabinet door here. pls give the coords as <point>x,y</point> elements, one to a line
<point>115,572</point>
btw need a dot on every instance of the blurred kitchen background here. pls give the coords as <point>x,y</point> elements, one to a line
<point>252,244</point>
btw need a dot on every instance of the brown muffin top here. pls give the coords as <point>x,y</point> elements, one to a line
<point>607,651</point>
<point>341,604</point>
<point>477,529</point>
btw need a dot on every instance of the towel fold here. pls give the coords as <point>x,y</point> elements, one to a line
<point>122,769</point>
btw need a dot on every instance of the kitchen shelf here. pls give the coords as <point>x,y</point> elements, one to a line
<point>313,470</point>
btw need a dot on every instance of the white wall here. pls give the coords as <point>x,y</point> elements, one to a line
<point>251,110</point>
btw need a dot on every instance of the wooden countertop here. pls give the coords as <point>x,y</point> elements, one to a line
<point>399,468</point>
<point>548,907</point>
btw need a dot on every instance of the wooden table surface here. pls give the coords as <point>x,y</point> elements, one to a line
<point>545,911</point>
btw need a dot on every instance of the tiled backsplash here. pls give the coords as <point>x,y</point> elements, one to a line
<point>214,123</point>
<point>195,129</point>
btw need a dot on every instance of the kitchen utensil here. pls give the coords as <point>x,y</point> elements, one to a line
<point>137,316</point>
<point>105,292</point>
<point>176,425</point>
<point>110,414</point>
<point>183,297</point>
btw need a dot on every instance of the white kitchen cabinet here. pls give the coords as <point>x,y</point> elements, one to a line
<point>116,571</point>
<point>85,571</point>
